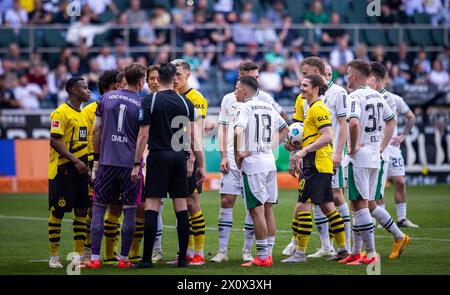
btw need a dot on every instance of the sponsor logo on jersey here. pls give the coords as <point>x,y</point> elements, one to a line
<point>55,124</point>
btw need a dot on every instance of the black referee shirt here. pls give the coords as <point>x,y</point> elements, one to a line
<point>167,113</point>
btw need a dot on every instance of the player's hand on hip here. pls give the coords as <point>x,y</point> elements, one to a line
<point>190,167</point>
<point>135,174</point>
<point>353,151</point>
<point>224,166</point>
<point>81,167</point>
<point>397,140</point>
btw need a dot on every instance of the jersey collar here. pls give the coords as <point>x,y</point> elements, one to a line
<point>330,83</point>
<point>383,90</point>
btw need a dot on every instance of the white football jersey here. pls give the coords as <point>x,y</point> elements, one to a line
<point>261,122</point>
<point>371,109</point>
<point>388,97</point>
<point>335,99</point>
<point>227,116</point>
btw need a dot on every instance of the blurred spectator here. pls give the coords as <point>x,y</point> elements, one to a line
<point>252,54</point>
<point>40,16</point>
<point>51,6</point>
<point>361,51</point>
<point>198,69</point>
<point>413,6</point>
<point>200,35</point>
<point>434,9</point>
<point>396,78</point>
<point>438,75</point>
<point>106,60</point>
<point>266,34</point>
<point>121,49</point>
<point>420,75</point>
<point>100,6</point>
<point>16,16</point>
<point>136,15</point>
<point>269,79</point>
<point>83,54</point>
<point>13,60</point>
<point>122,62</point>
<point>161,16</point>
<point>289,36</point>
<point>330,35</point>
<point>222,31</point>
<point>56,80</point>
<point>37,75</point>
<point>403,60</point>
<point>183,12</point>
<point>297,54</point>
<point>28,94</point>
<point>229,63</point>
<point>378,54</point>
<point>316,15</point>
<point>92,78</point>
<point>7,98</point>
<point>387,16</point>
<point>74,66</point>
<point>5,5</point>
<point>163,55</point>
<point>341,55</point>
<point>119,33</point>
<point>64,55</point>
<point>422,59</point>
<point>147,34</point>
<point>84,31</point>
<point>232,18</point>
<point>276,13</point>
<point>1,67</point>
<point>277,57</point>
<point>291,79</point>
<point>61,17</point>
<point>203,5</point>
<point>243,33</point>
<point>224,6</point>
<point>247,7</point>
<point>444,58</point>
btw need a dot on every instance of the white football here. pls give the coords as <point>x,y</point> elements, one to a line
<point>296,134</point>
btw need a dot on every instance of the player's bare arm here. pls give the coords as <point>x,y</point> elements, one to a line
<point>239,142</point>
<point>387,133</point>
<point>354,126</point>
<point>140,148</point>
<point>197,144</point>
<point>411,120</point>
<point>224,163</point>
<point>342,139</point>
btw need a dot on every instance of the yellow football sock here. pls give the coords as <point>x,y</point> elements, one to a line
<point>54,234</point>
<point>110,231</point>
<point>337,228</point>
<point>138,234</point>
<point>198,228</point>
<point>304,230</point>
<point>79,233</point>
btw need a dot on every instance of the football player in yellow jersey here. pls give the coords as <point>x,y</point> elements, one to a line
<point>196,219</point>
<point>107,81</point>
<point>68,170</point>
<point>315,164</point>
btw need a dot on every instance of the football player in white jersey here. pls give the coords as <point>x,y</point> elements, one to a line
<point>258,130</point>
<point>366,109</point>
<point>335,99</point>
<point>396,168</point>
<point>231,175</point>
<point>377,82</point>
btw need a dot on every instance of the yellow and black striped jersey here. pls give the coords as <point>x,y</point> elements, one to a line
<point>89,113</point>
<point>317,118</point>
<point>70,125</point>
<point>199,102</point>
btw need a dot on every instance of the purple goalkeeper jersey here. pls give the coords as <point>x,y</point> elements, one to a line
<point>119,111</point>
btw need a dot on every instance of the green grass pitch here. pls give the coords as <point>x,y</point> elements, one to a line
<point>24,242</point>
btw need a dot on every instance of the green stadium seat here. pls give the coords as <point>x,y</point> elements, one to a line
<point>421,18</point>
<point>438,37</point>
<point>24,37</point>
<point>102,39</point>
<point>341,7</point>
<point>122,5</point>
<point>54,38</point>
<point>392,36</point>
<point>419,37</point>
<point>356,17</point>
<point>7,37</point>
<point>165,3</point>
<point>375,37</point>
<point>296,9</point>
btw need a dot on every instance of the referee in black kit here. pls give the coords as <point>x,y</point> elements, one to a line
<point>167,124</point>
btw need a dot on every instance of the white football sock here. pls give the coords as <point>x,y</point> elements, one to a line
<point>270,244</point>
<point>321,222</point>
<point>401,211</point>
<point>224,227</point>
<point>383,218</point>
<point>345,214</point>
<point>365,227</point>
<point>249,232</point>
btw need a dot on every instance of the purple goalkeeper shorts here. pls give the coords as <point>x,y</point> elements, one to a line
<point>113,185</point>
